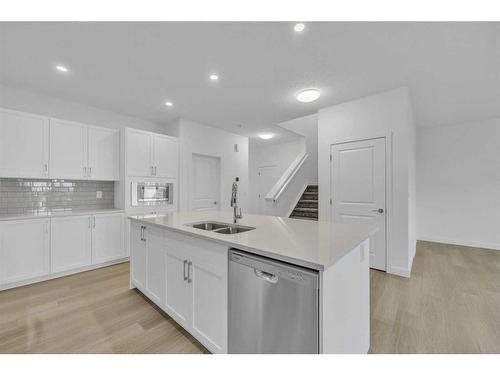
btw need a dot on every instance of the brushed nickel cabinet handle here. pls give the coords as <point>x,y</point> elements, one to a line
<point>189,272</point>
<point>184,270</point>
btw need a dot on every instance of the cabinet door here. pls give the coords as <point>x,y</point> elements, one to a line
<point>108,237</point>
<point>177,288</point>
<point>155,269</point>
<point>137,256</point>
<point>70,243</point>
<point>209,302</point>
<point>24,145</point>
<point>104,153</point>
<point>165,156</point>
<point>24,249</point>
<point>68,149</point>
<point>138,153</point>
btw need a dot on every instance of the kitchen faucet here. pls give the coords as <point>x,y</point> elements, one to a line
<point>234,201</point>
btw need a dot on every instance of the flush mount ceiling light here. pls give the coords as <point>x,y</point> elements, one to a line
<point>169,104</point>
<point>308,95</point>
<point>214,77</point>
<point>266,136</point>
<point>62,69</point>
<point>299,27</point>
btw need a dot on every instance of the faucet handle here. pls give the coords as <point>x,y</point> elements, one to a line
<point>240,214</point>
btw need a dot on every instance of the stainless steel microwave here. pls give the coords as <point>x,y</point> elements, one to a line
<point>152,193</point>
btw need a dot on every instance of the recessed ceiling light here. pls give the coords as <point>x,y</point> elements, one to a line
<point>169,104</point>
<point>266,136</point>
<point>214,77</point>
<point>308,95</point>
<point>299,27</point>
<point>62,68</point>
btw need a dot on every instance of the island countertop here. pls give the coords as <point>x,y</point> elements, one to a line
<point>312,244</point>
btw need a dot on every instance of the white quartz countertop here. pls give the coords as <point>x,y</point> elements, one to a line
<point>49,214</point>
<point>312,244</point>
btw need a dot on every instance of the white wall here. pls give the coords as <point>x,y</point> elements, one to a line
<point>260,154</point>
<point>201,139</point>
<point>458,184</point>
<point>385,114</point>
<point>25,101</point>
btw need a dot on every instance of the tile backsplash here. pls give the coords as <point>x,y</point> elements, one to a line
<point>23,195</point>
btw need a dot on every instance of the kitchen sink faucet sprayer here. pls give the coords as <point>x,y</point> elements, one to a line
<point>234,201</point>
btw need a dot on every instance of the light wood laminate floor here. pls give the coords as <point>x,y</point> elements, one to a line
<point>451,304</point>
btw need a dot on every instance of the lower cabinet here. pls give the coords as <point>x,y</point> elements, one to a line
<point>24,250</point>
<point>35,249</point>
<point>155,264</point>
<point>138,255</point>
<point>70,243</point>
<point>108,237</point>
<point>186,277</point>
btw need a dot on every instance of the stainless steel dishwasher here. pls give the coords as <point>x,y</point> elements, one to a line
<point>273,306</point>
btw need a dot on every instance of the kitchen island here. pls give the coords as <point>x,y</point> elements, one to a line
<point>184,270</point>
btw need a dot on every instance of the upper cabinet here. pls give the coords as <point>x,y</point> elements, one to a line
<point>24,145</point>
<point>103,153</point>
<point>151,155</point>
<point>68,150</point>
<point>80,151</point>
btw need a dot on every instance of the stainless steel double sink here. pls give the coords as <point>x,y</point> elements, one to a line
<point>222,228</point>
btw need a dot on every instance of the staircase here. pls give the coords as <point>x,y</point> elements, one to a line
<point>307,206</point>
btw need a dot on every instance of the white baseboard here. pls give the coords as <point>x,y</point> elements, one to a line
<point>484,245</point>
<point>57,275</point>
<point>399,271</point>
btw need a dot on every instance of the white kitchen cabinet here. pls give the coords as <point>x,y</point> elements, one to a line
<point>209,296</point>
<point>165,156</point>
<point>138,153</point>
<point>108,241</point>
<point>151,155</point>
<point>79,151</point>
<point>70,243</point>
<point>155,264</point>
<point>68,150</point>
<point>24,145</point>
<point>194,277</point>
<point>103,153</point>
<point>138,255</point>
<point>24,249</point>
<point>177,286</point>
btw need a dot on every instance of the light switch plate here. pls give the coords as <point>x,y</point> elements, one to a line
<point>98,194</point>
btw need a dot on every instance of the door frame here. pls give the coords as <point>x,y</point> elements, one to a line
<point>259,168</point>
<point>190,177</point>
<point>389,188</point>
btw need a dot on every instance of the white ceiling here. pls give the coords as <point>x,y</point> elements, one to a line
<point>452,69</point>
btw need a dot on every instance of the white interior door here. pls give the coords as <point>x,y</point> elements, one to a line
<point>205,183</point>
<point>358,190</point>
<point>268,176</point>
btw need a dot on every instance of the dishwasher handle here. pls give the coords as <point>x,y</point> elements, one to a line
<point>266,276</point>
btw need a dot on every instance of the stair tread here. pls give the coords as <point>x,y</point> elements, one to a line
<point>304,218</point>
<point>307,209</point>
<point>308,201</point>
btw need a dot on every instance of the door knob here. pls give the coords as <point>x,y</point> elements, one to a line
<point>380,210</point>
<point>215,202</point>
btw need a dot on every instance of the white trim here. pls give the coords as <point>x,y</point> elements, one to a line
<point>399,271</point>
<point>476,244</point>
<point>287,176</point>
<point>62,274</point>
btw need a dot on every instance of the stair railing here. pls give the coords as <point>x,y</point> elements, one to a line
<point>286,178</point>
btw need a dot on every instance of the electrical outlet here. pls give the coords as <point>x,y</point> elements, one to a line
<point>98,194</point>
